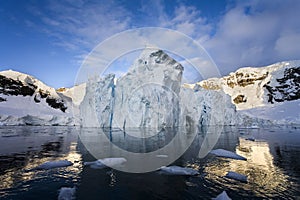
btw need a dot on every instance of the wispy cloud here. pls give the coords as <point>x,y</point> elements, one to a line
<point>81,25</point>
<point>249,32</point>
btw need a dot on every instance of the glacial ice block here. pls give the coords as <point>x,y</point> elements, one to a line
<point>176,170</point>
<point>227,154</point>
<point>66,193</point>
<point>222,196</point>
<point>236,176</point>
<point>105,162</point>
<point>54,164</point>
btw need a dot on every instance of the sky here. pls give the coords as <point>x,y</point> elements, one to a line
<point>49,39</point>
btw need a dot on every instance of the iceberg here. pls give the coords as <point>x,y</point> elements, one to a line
<point>151,94</point>
<point>54,164</point>
<point>236,176</point>
<point>105,162</point>
<point>162,156</point>
<point>222,196</point>
<point>227,154</point>
<point>176,170</point>
<point>66,193</point>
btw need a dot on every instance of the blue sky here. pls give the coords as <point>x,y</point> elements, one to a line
<point>50,39</point>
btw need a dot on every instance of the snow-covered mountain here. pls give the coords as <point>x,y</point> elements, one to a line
<point>251,87</point>
<point>24,100</point>
<point>271,92</point>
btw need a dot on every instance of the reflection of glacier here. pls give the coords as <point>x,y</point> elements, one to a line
<point>140,152</point>
<point>150,94</point>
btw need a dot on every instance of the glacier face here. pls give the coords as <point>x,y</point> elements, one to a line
<point>151,95</point>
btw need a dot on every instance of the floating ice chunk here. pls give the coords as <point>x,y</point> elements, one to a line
<point>54,164</point>
<point>162,156</point>
<point>105,162</point>
<point>250,127</point>
<point>227,154</point>
<point>236,176</point>
<point>66,193</point>
<point>176,170</point>
<point>95,164</point>
<point>222,196</point>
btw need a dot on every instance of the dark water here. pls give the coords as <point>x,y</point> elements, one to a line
<point>272,166</point>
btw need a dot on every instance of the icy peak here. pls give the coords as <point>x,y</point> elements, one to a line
<point>152,58</point>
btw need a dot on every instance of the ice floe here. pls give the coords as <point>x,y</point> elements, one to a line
<point>162,156</point>
<point>227,154</point>
<point>236,176</point>
<point>54,164</point>
<point>66,193</point>
<point>222,196</point>
<point>176,170</point>
<point>105,162</point>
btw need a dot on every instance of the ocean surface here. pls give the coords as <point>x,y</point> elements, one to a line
<point>272,166</point>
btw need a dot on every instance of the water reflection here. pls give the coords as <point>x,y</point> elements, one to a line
<point>272,166</point>
<point>30,147</point>
<point>265,179</point>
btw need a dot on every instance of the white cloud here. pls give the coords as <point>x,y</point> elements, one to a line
<point>81,25</point>
<point>256,33</point>
<point>287,46</point>
<point>249,32</point>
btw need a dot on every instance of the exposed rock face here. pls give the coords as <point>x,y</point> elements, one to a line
<point>286,88</point>
<point>240,99</point>
<point>244,79</point>
<point>2,99</point>
<point>10,86</point>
